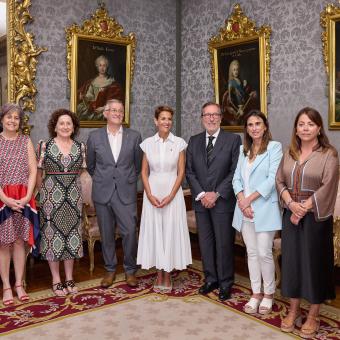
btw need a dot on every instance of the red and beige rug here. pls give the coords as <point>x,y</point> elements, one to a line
<point>130,314</point>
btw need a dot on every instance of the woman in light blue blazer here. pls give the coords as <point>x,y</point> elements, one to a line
<point>257,213</point>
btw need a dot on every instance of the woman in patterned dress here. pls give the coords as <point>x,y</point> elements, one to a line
<point>18,215</point>
<point>61,159</point>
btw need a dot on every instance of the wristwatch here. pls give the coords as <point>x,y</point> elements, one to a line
<point>217,195</point>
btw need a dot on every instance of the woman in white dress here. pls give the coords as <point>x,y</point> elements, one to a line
<point>164,240</point>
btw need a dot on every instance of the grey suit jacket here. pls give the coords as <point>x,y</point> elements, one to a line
<point>108,175</point>
<point>218,176</point>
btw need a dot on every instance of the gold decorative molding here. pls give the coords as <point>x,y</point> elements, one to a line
<point>329,20</point>
<point>22,57</point>
<point>100,25</point>
<point>336,241</point>
<point>330,13</point>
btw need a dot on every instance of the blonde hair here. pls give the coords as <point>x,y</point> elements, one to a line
<point>232,64</point>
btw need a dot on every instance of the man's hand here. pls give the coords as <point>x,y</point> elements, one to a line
<point>209,199</point>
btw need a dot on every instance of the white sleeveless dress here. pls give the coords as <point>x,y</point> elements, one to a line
<point>164,240</point>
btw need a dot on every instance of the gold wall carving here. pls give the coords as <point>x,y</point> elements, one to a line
<point>22,56</point>
<point>329,19</point>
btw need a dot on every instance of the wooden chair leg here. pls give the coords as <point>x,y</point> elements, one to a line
<point>90,244</point>
<point>276,256</point>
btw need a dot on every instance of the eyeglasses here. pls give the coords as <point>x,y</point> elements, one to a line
<point>114,111</point>
<point>211,115</point>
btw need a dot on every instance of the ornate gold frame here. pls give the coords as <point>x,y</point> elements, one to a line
<point>21,57</point>
<point>238,30</point>
<point>99,28</point>
<point>328,19</point>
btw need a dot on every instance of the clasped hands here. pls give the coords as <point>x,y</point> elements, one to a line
<point>160,203</point>
<point>245,206</point>
<point>16,204</point>
<point>299,210</point>
<point>209,199</point>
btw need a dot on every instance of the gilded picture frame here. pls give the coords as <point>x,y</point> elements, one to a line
<point>330,22</point>
<point>240,65</point>
<point>100,63</point>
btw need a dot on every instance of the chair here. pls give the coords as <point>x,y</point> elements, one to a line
<point>90,225</point>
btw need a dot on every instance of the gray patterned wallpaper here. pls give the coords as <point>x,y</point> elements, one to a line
<point>298,76</point>
<point>153,22</point>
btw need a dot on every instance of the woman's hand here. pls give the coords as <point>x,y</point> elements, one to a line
<point>244,203</point>
<point>298,209</point>
<point>248,212</point>
<point>24,200</point>
<point>165,201</point>
<point>295,219</point>
<point>15,205</point>
<point>154,201</point>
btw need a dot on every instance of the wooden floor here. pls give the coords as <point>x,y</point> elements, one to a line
<point>39,278</point>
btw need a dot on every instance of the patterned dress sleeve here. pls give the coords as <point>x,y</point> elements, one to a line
<point>41,149</point>
<point>83,155</point>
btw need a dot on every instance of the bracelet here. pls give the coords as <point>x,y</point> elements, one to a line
<point>291,201</point>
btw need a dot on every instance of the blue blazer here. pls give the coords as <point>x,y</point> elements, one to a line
<point>267,213</point>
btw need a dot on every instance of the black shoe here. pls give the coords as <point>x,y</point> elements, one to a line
<point>224,294</point>
<point>208,287</point>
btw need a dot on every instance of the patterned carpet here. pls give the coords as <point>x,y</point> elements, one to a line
<point>130,314</point>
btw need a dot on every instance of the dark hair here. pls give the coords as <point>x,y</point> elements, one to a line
<point>9,107</point>
<point>52,123</point>
<point>208,104</point>
<point>161,108</point>
<point>315,117</point>
<point>248,141</point>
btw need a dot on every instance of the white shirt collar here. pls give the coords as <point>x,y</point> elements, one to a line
<point>170,138</point>
<point>215,134</point>
<point>120,131</point>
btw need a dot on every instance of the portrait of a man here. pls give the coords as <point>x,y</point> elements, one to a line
<point>239,82</point>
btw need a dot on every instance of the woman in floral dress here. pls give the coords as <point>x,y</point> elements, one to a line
<point>60,160</point>
<point>18,215</point>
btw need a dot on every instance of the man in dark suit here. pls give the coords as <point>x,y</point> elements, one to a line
<point>211,161</point>
<point>114,162</point>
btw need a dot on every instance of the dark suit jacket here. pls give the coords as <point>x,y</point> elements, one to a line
<point>218,177</point>
<point>108,175</point>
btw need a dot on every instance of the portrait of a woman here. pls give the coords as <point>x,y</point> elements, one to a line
<point>94,93</point>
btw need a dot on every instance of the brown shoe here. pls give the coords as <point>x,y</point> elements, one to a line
<point>131,280</point>
<point>108,279</point>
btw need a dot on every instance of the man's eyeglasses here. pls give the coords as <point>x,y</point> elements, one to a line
<point>114,111</point>
<point>211,115</point>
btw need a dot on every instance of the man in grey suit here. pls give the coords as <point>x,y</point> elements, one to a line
<point>114,162</point>
<point>211,161</point>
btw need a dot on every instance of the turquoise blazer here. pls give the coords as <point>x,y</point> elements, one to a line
<point>267,213</point>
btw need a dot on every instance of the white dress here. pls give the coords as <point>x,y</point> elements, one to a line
<point>164,240</point>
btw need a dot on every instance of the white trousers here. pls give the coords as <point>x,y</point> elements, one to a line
<point>260,258</point>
